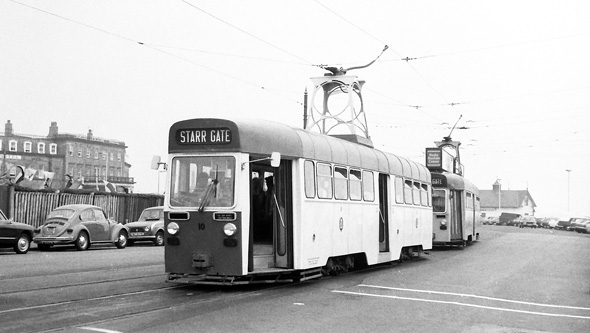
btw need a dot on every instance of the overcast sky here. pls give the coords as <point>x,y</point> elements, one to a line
<point>516,74</point>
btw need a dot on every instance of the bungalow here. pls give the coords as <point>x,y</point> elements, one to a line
<point>497,201</point>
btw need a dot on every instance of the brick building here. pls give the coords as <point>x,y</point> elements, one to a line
<point>61,160</point>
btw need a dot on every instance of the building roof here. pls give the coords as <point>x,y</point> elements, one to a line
<point>509,199</point>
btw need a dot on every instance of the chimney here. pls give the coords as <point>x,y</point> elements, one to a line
<point>53,129</point>
<point>8,128</point>
<point>89,136</point>
<point>497,186</point>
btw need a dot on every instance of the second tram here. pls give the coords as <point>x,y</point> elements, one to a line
<point>456,209</point>
<point>255,201</point>
<point>455,200</point>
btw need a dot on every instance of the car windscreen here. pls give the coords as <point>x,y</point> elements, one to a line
<point>151,215</point>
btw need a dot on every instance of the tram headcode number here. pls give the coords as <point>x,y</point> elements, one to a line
<point>203,136</point>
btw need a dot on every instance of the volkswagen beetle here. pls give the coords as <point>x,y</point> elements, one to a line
<point>80,225</point>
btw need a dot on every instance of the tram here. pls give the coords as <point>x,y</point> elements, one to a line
<point>455,200</point>
<point>253,201</point>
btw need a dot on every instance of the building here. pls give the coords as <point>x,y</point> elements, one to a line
<point>61,160</point>
<point>497,201</point>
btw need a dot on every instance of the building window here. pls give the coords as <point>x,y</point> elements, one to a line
<point>12,145</point>
<point>96,154</point>
<point>112,156</point>
<point>28,147</point>
<point>119,156</point>
<point>79,152</point>
<point>53,149</point>
<point>71,150</point>
<point>104,156</point>
<point>41,148</point>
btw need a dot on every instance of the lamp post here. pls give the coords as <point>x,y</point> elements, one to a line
<point>568,189</point>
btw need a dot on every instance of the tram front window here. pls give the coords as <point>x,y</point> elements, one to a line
<point>438,201</point>
<point>202,181</point>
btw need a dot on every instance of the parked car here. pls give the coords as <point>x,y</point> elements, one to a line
<point>515,222</point>
<point>491,220</point>
<point>563,224</point>
<point>579,225</point>
<point>80,225</point>
<point>549,222</point>
<point>149,227</point>
<point>15,235</point>
<point>528,222</point>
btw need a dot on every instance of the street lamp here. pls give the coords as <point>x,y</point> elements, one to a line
<point>568,189</point>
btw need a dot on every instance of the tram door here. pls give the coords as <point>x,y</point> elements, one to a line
<point>270,217</point>
<point>383,213</point>
<point>283,215</point>
<point>456,215</point>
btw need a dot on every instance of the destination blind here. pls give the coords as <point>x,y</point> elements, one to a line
<point>204,136</point>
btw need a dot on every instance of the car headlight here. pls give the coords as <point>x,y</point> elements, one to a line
<point>230,229</point>
<point>147,228</point>
<point>172,228</point>
<point>443,222</point>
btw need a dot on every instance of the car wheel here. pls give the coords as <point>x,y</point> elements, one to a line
<point>122,240</point>
<point>159,241</point>
<point>82,242</point>
<point>22,244</point>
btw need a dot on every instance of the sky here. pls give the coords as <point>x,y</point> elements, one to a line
<point>514,76</point>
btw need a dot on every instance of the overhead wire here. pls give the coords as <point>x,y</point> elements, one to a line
<point>155,48</point>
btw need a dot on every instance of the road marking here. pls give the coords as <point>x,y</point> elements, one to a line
<point>461,304</point>
<point>476,296</point>
<point>99,330</point>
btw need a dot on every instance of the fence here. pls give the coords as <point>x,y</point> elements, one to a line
<point>32,207</point>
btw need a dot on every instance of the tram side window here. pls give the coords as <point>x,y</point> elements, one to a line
<point>438,201</point>
<point>309,177</point>
<point>324,177</point>
<point>417,194</point>
<point>368,186</point>
<point>340,183</point>
<point>399,190</point>
<point>355,185</point>
<point>424,194</point>
<point>469,203</point>
<point>408,187</point>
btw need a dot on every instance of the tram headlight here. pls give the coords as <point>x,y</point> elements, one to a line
<point>172,228</point>
<point>443,222</point>
<point>230,229</point>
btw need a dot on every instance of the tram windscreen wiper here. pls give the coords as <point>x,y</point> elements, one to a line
<point>211,188</point>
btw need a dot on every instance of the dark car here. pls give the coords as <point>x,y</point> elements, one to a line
<point>528,222</point>
<point>15,235</point>
<point>579,225</point>
<point>149,227</point>
<point>563,224</point>
<point>80,225</point>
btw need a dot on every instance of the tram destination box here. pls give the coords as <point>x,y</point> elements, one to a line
<point>437,159</point>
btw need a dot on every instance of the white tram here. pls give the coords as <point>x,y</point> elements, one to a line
<point>456,210</point>
<point>256,201</point>
<point>455,200</point>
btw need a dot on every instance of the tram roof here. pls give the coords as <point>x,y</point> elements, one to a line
<point>458,182</point>
<point>263,137</point>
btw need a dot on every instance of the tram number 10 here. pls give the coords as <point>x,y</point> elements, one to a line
<point>201,226</point>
